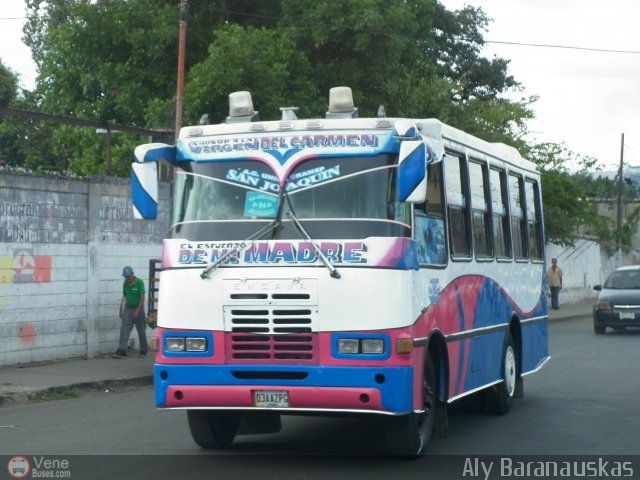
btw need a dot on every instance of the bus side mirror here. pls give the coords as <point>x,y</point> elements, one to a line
<point>144,190</point>
<point>144,177</point>
<point>155,152</point>
<point>412,168</point>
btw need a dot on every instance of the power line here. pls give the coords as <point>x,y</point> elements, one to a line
<point>499,42</point>
<point>568,47</point>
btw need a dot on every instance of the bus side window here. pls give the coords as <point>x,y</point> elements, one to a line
<point>479,188</point>
<point>430,240</point>
<point>534,226</point>
<point>429,231</point>
<point>500,219</point>
<point>456,194</point>
<point>434,190</point>
<point>518,225</point>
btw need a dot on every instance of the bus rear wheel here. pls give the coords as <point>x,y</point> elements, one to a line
<point>408,435</point>
<point>213,429</point>
<point>500,396</point>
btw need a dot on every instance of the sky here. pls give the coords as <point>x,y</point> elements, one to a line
<point>587,99</point>
<point>15,54</point>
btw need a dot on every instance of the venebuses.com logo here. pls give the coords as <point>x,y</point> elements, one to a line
<point>18,467</point>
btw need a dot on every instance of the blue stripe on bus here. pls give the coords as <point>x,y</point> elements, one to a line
<point>487,349</point>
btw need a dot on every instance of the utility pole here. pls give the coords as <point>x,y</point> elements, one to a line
<point>107,152</point>
<point>182,40</point>
<point>619,209</point>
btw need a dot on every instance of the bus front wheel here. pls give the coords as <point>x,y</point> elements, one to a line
<point>213,428</point>
<point>408,435</point>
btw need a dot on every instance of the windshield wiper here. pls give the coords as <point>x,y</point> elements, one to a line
<point>245,244</point>
<point>251,240</point>
<point>332,270</point>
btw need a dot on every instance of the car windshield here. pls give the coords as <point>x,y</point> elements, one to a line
<point>623,279</point>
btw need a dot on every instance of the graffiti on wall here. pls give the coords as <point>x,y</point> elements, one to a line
<point>25,267</point>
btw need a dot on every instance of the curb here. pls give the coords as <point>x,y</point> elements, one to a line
<point>572,316</point>
<point>58,392</point>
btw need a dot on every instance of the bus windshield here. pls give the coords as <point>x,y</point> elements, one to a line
<point>345,197</point>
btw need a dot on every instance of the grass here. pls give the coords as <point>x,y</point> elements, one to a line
<point>58,394</point>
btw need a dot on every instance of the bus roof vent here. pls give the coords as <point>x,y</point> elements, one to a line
<point>289,113</point>
<point>341,103</point>
<point>241,108</point>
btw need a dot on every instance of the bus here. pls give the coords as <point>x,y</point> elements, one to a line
<point>382,267</point>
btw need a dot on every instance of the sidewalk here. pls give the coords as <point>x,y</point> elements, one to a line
<point>24,383</point>
<point>20,384</point>
<point>573,310</point>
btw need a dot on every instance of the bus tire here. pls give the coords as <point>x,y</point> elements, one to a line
<point>500,396</point>
<point>213,429</point>
<point>408,435</point>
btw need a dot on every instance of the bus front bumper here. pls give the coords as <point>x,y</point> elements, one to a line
<point>321,389</point>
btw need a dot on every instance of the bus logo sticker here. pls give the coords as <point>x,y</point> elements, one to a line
<point>260,205</point>
<point>433,290</point>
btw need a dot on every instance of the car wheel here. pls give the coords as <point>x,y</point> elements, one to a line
<point>408,435</point>
<point>213,428</point>
<point>500,396</point>
<point>599,329</point>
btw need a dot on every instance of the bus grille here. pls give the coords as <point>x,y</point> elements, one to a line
<point>271,334</point>
<point>271,321</point>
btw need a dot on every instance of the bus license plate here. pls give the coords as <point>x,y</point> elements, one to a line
<point>627,315</point>
<point>271,398</point>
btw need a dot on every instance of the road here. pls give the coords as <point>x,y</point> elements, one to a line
<point>584,402</point>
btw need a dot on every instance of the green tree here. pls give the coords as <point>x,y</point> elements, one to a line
<point>572,198</point>
<point>102,60</point>
<point>8,85</point>
<point>11,152</point>
<point>387,51</point>
<point>115,61</point>
<point>265,62</point>
<point>481,88</point>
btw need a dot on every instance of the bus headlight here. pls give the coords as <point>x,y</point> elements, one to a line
<point>348,345</point>
<point>372,345</point>
<point>361,346</point>
<point>196,344</point>
<point>189,344</point>
<point>174,344</point>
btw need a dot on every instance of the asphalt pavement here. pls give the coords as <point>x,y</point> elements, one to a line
<point>57,379</point>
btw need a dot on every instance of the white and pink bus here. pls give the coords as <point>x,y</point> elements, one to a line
<point>343,265</point>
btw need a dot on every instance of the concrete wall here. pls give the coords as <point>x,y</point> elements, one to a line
<point>583,266</point>
<point>63,244</point>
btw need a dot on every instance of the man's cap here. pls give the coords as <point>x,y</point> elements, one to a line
<point>126,271</point>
